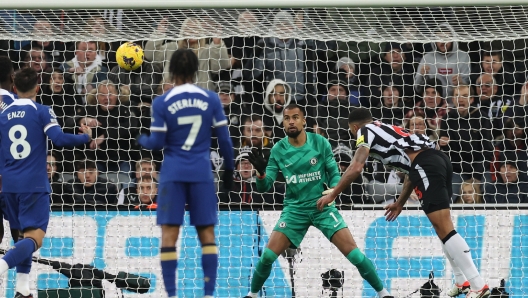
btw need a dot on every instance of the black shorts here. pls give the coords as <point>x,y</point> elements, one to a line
<point>431,173</point>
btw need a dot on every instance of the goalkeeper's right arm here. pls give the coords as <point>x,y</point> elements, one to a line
<point>265,180</point>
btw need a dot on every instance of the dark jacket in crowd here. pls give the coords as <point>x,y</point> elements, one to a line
<point>119,129</point>
<point>144,81</point>
<point>60,194</point>
<point>332,120</point>
<point>102,192</point>
<point>469,144</point>
<point>245,193</point>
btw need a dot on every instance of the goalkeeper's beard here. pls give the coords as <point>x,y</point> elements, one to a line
<point>293,134</point>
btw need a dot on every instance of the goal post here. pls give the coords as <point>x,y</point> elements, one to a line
<point>329,56</point>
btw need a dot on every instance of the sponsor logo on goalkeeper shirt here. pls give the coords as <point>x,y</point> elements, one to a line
<point>303,178</point>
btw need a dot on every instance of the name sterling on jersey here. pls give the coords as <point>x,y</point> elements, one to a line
<point>17,114</point>
<point>187,103</point>
<point>302,178</point>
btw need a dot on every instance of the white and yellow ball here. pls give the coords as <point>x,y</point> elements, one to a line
<point>129,56</point>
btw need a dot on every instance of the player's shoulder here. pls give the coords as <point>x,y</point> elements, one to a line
<point>317,139</point>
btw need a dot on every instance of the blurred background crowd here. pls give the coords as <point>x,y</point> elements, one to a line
<point>469,97</point>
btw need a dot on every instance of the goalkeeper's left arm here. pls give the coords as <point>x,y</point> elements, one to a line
<point>332,171</point>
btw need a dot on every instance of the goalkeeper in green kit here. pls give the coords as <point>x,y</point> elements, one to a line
<point>307,163</point>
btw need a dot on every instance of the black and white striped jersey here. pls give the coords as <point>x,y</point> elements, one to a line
<point>387,144</point>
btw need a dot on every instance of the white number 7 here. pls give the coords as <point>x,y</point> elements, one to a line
<point>196,122</point>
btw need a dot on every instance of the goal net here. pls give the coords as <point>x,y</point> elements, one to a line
<point>457,74</point>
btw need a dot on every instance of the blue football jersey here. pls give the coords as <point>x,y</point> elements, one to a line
<point>187,114</point>
<point>6,98</point>
<point>23,145</point>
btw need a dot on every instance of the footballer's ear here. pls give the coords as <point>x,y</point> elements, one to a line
<point>37,88</point>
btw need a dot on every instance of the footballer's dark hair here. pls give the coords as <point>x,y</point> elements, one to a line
<point>26,80</point>
<point>6,69</point>
<point>183,65</point>
<point>293,106</point>
<point>359,115</point>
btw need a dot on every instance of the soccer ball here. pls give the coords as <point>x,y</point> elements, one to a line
<point>129,56</point>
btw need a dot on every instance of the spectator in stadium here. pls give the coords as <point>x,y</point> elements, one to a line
<point>332,113</point>
<point>508,189</point>
<point>99,29</point>
<point>244,189</point>
<point>494,106</point>
<point>390,110</point>
<point>277,96</point>
<point>503,73</point>
<point>465,138</point>
<point>356,193</point>
<point>512,147</point>
<point>60,97</point>
<point>242,48</point>
<point>114,127</point>
<point>129,194</point>
<point>232,108</point>
<point>58,195</point>
<point>88,188</point>
<point>212,57</point>
<point>36,58</point>
<point>81,70</point>
<point>432,107</point>
<point>446,63</point>
<point>345,69</point>
<point>147,191</point>
<point>418,125</point>
<point>253,135</point>
<point>54,50</point>
<point>165,86</point>
<point>393,70</point>
<point>290,60</point>
<point>143,82</point>
<point>470,192</point>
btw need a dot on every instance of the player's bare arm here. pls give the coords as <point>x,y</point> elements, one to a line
<point>394,209</point>
<point>350,175</point>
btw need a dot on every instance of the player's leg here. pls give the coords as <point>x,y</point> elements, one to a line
<point>288,232</point>
<point>461,285</point>
<point>333,226</point>
<point>32,219</point>
<point>203,208</point>
<point>170,211</point>
<point>429,173</point>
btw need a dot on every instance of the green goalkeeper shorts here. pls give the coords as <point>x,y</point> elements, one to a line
<point>295,223</point>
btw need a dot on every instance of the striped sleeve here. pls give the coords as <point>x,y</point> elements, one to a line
<point>364,137</point>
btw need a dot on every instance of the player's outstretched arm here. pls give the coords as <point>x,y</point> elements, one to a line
<point>158,128</point>
<point>155,141</point>
<point>394,209</point>
<point>266,170</point>
<point>61,139</point>
<point>226,150</point>
<point>350,175</point>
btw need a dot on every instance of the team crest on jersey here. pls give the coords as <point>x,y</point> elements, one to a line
<point>282,224</point>
<point>313,161</point>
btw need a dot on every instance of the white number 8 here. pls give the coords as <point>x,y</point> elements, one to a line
<point>21,141</point>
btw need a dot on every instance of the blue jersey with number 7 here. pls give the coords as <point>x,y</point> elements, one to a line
<point>24,129</point>
<point>187,115</point>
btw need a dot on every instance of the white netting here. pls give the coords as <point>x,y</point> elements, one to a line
<point>326,59</point>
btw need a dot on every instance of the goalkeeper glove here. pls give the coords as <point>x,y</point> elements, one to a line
<point>328,191</point>
<point>256,158</point>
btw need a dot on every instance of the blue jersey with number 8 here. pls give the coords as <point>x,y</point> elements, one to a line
<point>187,114</point>
<point>24,127</point>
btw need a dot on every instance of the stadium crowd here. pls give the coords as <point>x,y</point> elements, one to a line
<point>469,97</point>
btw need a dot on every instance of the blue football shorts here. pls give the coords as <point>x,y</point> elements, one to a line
<point>199,197</point>
<point>26,210</point>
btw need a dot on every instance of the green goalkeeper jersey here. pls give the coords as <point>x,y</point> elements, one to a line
<point>305,169</point>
